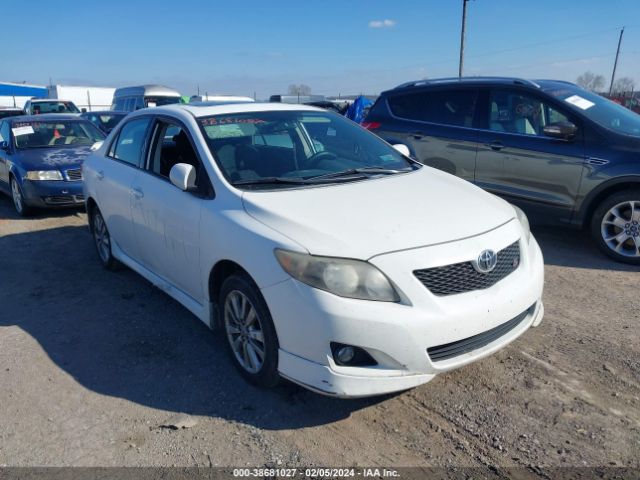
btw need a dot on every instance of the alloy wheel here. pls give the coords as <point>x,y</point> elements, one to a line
<point>101,236</point>
<point>16,195</point>
<point>244,331</point>
<point>620,229</point>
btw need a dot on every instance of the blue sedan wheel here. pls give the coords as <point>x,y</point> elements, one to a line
<point>18,201</point>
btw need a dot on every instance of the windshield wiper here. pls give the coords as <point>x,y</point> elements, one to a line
<point>272,180</point>
<point>359,171</point>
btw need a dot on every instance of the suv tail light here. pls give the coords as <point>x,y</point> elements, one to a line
<point>371,125</point>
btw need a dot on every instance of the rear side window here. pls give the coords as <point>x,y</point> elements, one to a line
<point>129,145</point>
<point>448,107</point>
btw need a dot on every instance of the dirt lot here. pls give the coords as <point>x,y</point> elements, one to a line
<point>94,364</point>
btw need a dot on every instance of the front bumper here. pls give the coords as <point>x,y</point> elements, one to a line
<point>52,194</point>
<point>398,335</point>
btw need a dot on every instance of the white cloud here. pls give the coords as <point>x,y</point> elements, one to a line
<point>386,23</point>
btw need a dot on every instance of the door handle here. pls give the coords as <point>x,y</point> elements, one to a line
<point>495,146</point>
<point>99,174</point>
<point>136,192</point>
<point>417,135</point>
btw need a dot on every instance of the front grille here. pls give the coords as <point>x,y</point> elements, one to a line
<point>462,277</point>
<point>74,174</point>
<point>453,349</point>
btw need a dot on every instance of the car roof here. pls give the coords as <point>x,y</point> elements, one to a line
<point>207,110</point>
<point>17,109</point>
<point>477,81</point>
<point>150,90</point>
<point>42,100</point>
<point>45,117</point>
<point>104,112</point>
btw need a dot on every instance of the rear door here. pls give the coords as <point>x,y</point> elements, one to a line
<point>438,126</point>
<point>518,162</point>
<point>115,175</point>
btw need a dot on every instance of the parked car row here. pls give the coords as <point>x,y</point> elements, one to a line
<point>326,255</point>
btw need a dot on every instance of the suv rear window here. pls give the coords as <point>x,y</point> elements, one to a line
<point>448,107</point>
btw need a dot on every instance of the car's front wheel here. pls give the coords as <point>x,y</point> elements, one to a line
<point>250,333</point>
<point>615,226</point>
<point>102,240</point>
<point>18,200</point>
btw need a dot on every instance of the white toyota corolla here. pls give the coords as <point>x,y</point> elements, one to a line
<point>325,255</point>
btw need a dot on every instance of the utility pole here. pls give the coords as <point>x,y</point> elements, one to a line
<point>462,33</point>
<point>615,64</point>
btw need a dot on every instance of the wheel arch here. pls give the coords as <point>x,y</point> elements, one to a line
<point>222,270</point>
<point>91,205</point>
<point>598,195</point>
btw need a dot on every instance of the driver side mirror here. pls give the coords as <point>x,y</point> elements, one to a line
<point>403,149</point>
<point>83,110</point>
<point>561,130</point>
<point>4,145</point>
<point>183,176</point>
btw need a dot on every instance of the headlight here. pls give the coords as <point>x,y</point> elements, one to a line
<point>341,276</point>
<point>44,175</point>
<point>524,221</point>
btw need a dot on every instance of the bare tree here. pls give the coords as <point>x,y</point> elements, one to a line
<point>624,85</point>
<point>591,81</point>
<point>301,89</point>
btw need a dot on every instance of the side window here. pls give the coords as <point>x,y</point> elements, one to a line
<point>447,107</point>
<point>513,111</point>
<point>171,145</point>
<point>129,145</point>
<point>138,103</point>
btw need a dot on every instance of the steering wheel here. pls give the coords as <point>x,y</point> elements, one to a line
<point>316,158</point>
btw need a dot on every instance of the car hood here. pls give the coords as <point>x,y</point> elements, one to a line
<point>371,217</point>
<point>52,158</point>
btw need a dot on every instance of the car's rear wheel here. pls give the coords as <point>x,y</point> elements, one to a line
<point>102,240</point>
<point>18,199</point>
<point>250,333</point>
<point>615,226</point>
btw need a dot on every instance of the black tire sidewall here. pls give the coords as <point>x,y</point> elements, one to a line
<point>26,210</point>
<point>596,221</point>
<point>111,263</point>
<point>267,376</point>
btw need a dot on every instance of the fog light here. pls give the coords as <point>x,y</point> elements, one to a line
<point>345,354</point>
<point>350,356</point>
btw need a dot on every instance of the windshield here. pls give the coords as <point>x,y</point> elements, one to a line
<point>106,122</point>
<point>604,112</point>
<point>55,134</point>
<point>54,107</point>
<point>294,146</point>
<point>159,101</point>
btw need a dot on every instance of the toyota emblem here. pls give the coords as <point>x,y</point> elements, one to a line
<point>486,261</point>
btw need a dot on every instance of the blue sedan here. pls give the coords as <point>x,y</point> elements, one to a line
<point>41,160</point>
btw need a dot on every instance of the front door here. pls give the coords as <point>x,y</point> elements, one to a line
<point>5,136</point>
<point>166,219</point>
<point>518,162</point>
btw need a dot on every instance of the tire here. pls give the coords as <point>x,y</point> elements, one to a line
<point>19,204</point>
<point>615,226</point>
<point>249,334</point>
<point>102,240</point>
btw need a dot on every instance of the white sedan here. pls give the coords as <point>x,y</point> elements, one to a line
<point>326,256</point>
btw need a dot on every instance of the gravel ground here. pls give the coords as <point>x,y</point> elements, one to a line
<point>96,367</point>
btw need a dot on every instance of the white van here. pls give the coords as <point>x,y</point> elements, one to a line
<point>129,99</point>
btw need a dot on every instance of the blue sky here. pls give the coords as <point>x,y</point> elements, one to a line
<point>335,47</point>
